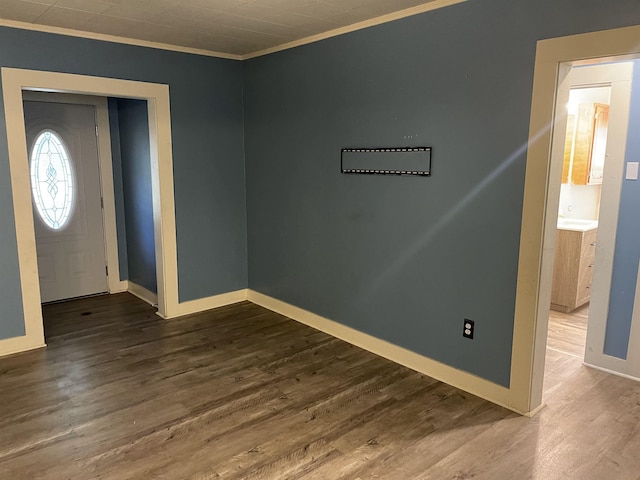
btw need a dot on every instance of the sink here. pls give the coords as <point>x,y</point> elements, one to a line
<point>577,224</point>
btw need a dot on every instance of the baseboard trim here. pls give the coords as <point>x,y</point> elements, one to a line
<point>208,303</point>
<point>142,293</point>
<point>11,346</point>
<point>119,287</point>
<point>535,411</point>
<point>612,372</point>
<point>463,380</point>
<point>457,378</point>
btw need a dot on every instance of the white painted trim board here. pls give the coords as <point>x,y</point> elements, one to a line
<point>390,17</point>
<point>450,375</point>
<point>209,303</point>
<point>619,76</point>
<point>14,81</point>
<point>142,293</point>
<point>463,380</point>
<point>114,39</point>
<point>21,344</point>
<point>612,372</point>
<point>554,58</point>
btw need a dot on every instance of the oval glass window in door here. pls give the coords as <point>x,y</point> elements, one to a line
<point>52,180</point>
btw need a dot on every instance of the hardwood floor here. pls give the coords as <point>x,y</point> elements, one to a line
<point>244,393</point>
<point>568,331</point>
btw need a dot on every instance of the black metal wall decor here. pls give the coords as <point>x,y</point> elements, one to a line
<point>387,161</point>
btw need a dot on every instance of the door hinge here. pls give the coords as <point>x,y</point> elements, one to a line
<point>96,130</point>
<point>106,269</point>
<point>102,203</point>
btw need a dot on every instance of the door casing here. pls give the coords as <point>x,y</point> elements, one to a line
<point>14,82</point>
<point>554,58</point>
<point>618,76</point>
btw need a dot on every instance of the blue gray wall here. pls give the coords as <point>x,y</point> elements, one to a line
<point>135,157</point>
<point>627,252</point>
<point>207,138</point>
<point>114,127</point>
<point>404,259</point>
<point>11,316</point>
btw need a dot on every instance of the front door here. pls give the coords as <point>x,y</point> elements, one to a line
<point>66,198</point>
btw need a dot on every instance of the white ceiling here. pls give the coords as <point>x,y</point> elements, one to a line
<point>232,27</point>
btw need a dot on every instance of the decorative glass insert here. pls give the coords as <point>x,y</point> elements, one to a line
<point>52,180</point>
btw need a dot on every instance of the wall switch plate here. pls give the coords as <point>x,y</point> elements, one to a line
<point>632,171</point>
<point>469,326</point>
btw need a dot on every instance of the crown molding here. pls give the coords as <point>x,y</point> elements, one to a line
<point>390,17</point>
<point>115,39</point>
<point>433,5</point>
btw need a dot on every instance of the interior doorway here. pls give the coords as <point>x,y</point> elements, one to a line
<point>14,82</point>
<point>591,156</point>
<point>554,59</point>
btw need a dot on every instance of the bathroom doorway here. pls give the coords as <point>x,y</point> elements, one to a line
<point>589,200</point>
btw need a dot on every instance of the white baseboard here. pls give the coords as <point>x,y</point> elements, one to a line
<point>118,286</point>
<point>10,346</point>
<point>142,293</point>
<point>533,412</point>
<point>460,379</point>
<point>203,304</point>
<point>612,372</point>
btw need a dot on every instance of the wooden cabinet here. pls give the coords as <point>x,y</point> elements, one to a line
<point>585,145</point>
<point>573,269</point>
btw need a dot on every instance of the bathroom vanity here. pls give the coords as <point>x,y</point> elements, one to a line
<point>573,265</point>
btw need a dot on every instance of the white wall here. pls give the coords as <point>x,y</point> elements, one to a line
<point>579,201</point>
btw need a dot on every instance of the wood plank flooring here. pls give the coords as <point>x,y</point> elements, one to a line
<point>243,393</point>
<point>568,331</point>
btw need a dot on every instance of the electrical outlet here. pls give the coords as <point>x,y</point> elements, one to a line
<point>468,329</point>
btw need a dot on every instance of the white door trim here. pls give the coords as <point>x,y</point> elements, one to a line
<point>619,76</point>
<point>105,158</point>
<point>14,81</point>
<point>554,58</point>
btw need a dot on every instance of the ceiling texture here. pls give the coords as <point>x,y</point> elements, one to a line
<point>232,28</point>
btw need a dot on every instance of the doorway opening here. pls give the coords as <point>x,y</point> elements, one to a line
<point>582,250</point>
<point>14,82</point>
<point>554,59</point>
<point>94,172</point>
